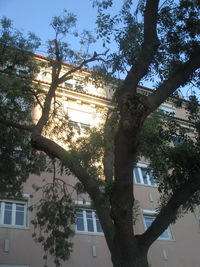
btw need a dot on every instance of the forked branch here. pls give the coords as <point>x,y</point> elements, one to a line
<point>168,213</point>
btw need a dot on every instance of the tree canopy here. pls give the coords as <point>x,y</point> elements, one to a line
<point>153,39</point>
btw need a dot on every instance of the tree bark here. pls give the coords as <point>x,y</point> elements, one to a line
<point>132,256</point>
<point>139,261</point>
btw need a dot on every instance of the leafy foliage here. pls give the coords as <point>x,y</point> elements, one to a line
<point>53,221</point>
<point>17,158</point>
<point>85,146</point>
<point>174,153</point>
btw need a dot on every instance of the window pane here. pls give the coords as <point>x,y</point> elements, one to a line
<point>90,225</point>
<point>144,175</point>
<point>8,213</point>
<point>165,234</point>
<point>19,219</point>
<point>137,175</point>
<point>148,221</point>
<point>79,221</point>
<point>68,85</point>
<point>151,179</point>
<point>99,229</point>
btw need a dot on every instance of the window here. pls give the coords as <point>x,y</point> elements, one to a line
<point>13,213</point>
<point>79,127</point>
<point>69,85</point>
<point>87,221</point>
<point>23,73</point>
<point>143,176</point>
<point>148,219</point>
<point>177,140</point>
<point>168,109</point>
<point>79,87</point>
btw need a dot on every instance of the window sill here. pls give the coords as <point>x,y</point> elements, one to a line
<point>14,227</point>
<point>166,239</point>
<point>147,185</point>
<point>89,233</point>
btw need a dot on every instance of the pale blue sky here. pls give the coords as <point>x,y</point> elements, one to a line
<point>35,15</point>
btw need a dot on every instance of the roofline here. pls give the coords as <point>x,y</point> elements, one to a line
<point>86,70</point>
<point>63,63</point>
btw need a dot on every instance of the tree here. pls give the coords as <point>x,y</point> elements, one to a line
<point>158,39</point>
<point>17,157</point>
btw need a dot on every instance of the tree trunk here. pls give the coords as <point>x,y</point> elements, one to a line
<point>133,258</point>
<point>126,250</point>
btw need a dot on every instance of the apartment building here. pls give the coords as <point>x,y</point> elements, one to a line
<point>178,246</point>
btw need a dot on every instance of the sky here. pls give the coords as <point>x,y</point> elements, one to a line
<point>35,15</point>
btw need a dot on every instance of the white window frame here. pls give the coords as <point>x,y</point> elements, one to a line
<point>148,179</point>
<point>152,214</point>
<point>85,224</point>
<point>13,213</point>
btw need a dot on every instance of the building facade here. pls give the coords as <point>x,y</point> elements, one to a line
<point>178,246</point>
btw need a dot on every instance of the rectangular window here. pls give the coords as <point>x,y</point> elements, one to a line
<point>143,176</point>
<point>13,213</point>
<point>148,219</point>
<point>87,221</point>
<point>23,73</point>
<point>69,85</point>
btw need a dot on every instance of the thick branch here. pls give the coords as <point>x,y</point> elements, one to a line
<point>56,68</point>
<point>108,163</point>
<point>108,157</point>
<point>180,77</point>
<point>168,213</point>
<point>149,47</point>
<point>17,125</point>
<point>90,183</point>
<point>46,108</point>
